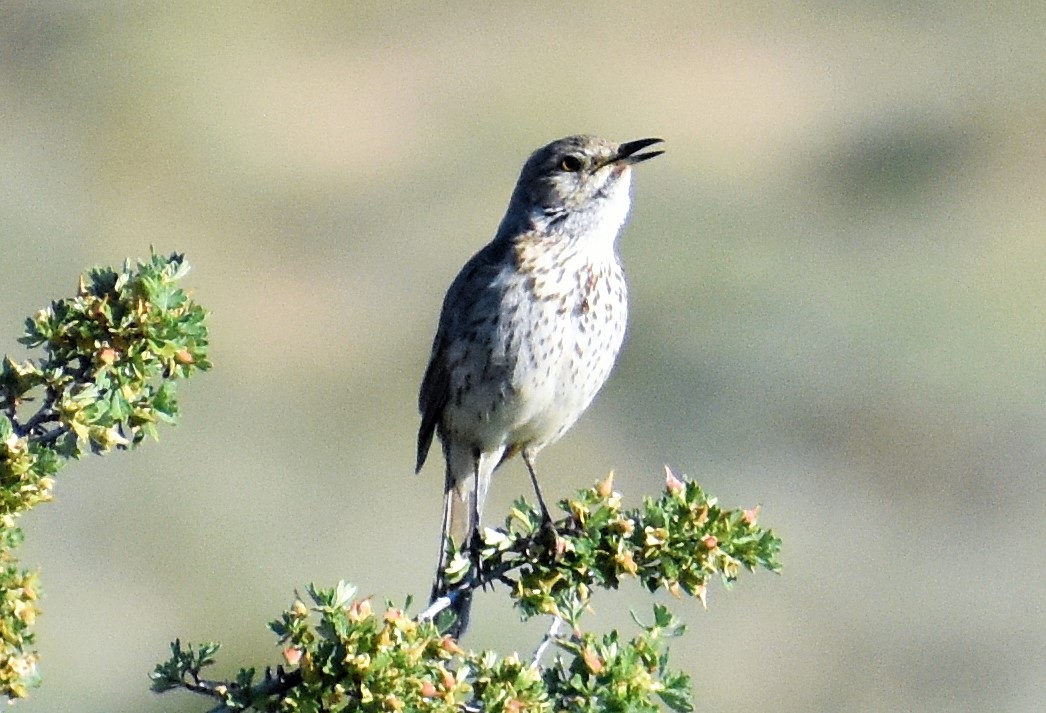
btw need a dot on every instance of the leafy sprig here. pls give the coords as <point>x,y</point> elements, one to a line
<point>107,376</point>
<point>677,542</point>
<point>342,653</point>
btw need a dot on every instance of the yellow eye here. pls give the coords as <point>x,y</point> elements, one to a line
<point>570,164</point>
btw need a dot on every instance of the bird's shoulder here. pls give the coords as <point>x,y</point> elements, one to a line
<point>488,263</point>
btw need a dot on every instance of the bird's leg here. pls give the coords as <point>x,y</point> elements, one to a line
<point>546,517</point>
<point>475,541</point>
<point>474,497</point>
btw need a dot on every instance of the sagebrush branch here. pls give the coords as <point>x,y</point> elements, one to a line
<point>103,379</point>
<point>350,655</point>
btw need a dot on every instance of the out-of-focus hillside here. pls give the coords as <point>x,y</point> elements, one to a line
<point>838,294</point>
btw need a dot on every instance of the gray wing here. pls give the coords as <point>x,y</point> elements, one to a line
<point>434,394</point>
<point>472,287</point>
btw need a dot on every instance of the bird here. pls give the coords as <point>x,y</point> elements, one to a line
<point>529,330</point>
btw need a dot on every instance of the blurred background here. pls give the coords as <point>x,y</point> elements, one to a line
<point>838,312</point>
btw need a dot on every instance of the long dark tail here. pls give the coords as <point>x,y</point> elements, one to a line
<point>464,494</point>
<point>459,522</point>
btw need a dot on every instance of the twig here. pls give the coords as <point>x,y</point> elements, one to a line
<point>53,435</point>
<point>272,685</point>
<point>470,583</point>
<point>439,604</point>
<point>44,415</point>
<point>550,635</point>
<point>474,582</point>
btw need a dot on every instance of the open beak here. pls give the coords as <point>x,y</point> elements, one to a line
<point>628,152</point>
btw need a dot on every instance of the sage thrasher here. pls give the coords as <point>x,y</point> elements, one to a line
<point>530,328</point>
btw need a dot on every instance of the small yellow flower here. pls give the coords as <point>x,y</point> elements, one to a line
<point>625,561</point>
<point>673,484</point>
<point>592,661</point>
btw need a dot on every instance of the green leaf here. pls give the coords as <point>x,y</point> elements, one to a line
<point>102,375</point>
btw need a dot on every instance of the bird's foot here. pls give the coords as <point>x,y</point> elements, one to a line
<point>548,536</point>
<point>475,550</point>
